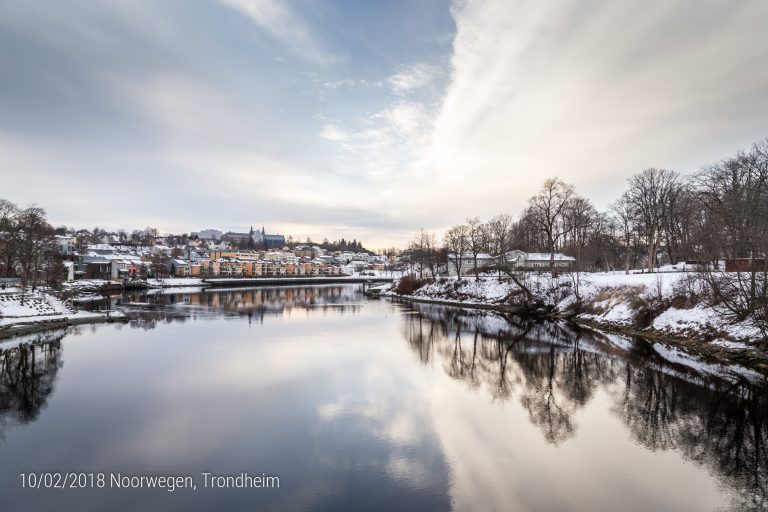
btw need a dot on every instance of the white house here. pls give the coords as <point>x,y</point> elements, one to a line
<point>537,260</point>
<point>65,244</point>
<point>467,262</point>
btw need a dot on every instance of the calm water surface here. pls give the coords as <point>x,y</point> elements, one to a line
<point>370,405</point>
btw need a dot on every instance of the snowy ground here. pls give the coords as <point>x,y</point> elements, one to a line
<point>88,297</point>
<point>488,291</point>
<point>616,298</point>
<point>613,298</point>
<point>18,312</point>
<point>349,271</point>
<point>83,285</point>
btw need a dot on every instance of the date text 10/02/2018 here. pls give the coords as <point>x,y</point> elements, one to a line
<point>170,483</point>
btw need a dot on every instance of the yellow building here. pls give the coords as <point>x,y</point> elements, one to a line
<point>247,264</point>
<point>240,255</point>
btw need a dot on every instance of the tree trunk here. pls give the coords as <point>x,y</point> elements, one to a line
<point>551,256</point>
<point>651,256</point>
<point>457,264</point>
<point>626,258</point>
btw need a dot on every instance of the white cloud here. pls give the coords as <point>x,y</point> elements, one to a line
<point>591,93</point>
<point>413,77</point>
<point>277,18</point>
<point>401,124</point>
<point>346,83</point>
<point>334,133</point>
<point>405,120</point>
<point>183,110</point>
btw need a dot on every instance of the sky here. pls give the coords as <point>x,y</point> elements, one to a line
<point>364,120</point>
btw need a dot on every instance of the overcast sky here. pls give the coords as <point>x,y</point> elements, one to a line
<point>360,119</point>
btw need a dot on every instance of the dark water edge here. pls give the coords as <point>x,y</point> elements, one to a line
<point>525,393</point>
<point>750,364</point>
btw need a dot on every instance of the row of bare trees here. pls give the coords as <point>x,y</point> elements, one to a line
<point>25,237</point>
<point>138,237</point>
<point>719,213</point>
<point>663,216</point>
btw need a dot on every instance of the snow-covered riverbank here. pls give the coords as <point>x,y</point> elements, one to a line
<point>20,314</point>
<point>664,357</point>
<point>662,305</point>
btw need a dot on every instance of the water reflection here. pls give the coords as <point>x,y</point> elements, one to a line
<point>370,405</point>
<point>28,372</point>
<point>722,426</point>
<point>148,308</point>
<point>554,369</point>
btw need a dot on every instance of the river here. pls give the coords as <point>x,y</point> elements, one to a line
<point>357,404</point>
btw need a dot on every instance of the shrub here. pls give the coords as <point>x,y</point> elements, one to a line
<point>408,284</point>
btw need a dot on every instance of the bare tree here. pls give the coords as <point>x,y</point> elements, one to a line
<point>500,236</point>
<point>31,238</point>
<point>579,217</point>
<point>546,210</point>
<point>683,216</point>
<point>625,215</point>
<point>456,241</point>
<point>735,195</point>
<point>8,226</point>
<point>477,240</point>
<point>424,251</point>
<point>603,244</point>
<point>148,236</point>
<point>734,191</point>
<point>650,193</point>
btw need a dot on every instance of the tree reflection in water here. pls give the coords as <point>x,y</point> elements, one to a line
<point>554,369</point>
<point>27,375</point>
<point>255,303</point>
<point>721,425</point>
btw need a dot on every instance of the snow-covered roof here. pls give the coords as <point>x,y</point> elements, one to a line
<point>469,255</point>
<point>544,256</point>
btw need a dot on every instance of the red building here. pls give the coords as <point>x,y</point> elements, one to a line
<point>745,265</point>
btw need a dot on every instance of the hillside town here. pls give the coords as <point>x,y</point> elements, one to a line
<point>34,254</point>
<point>199,256</point>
